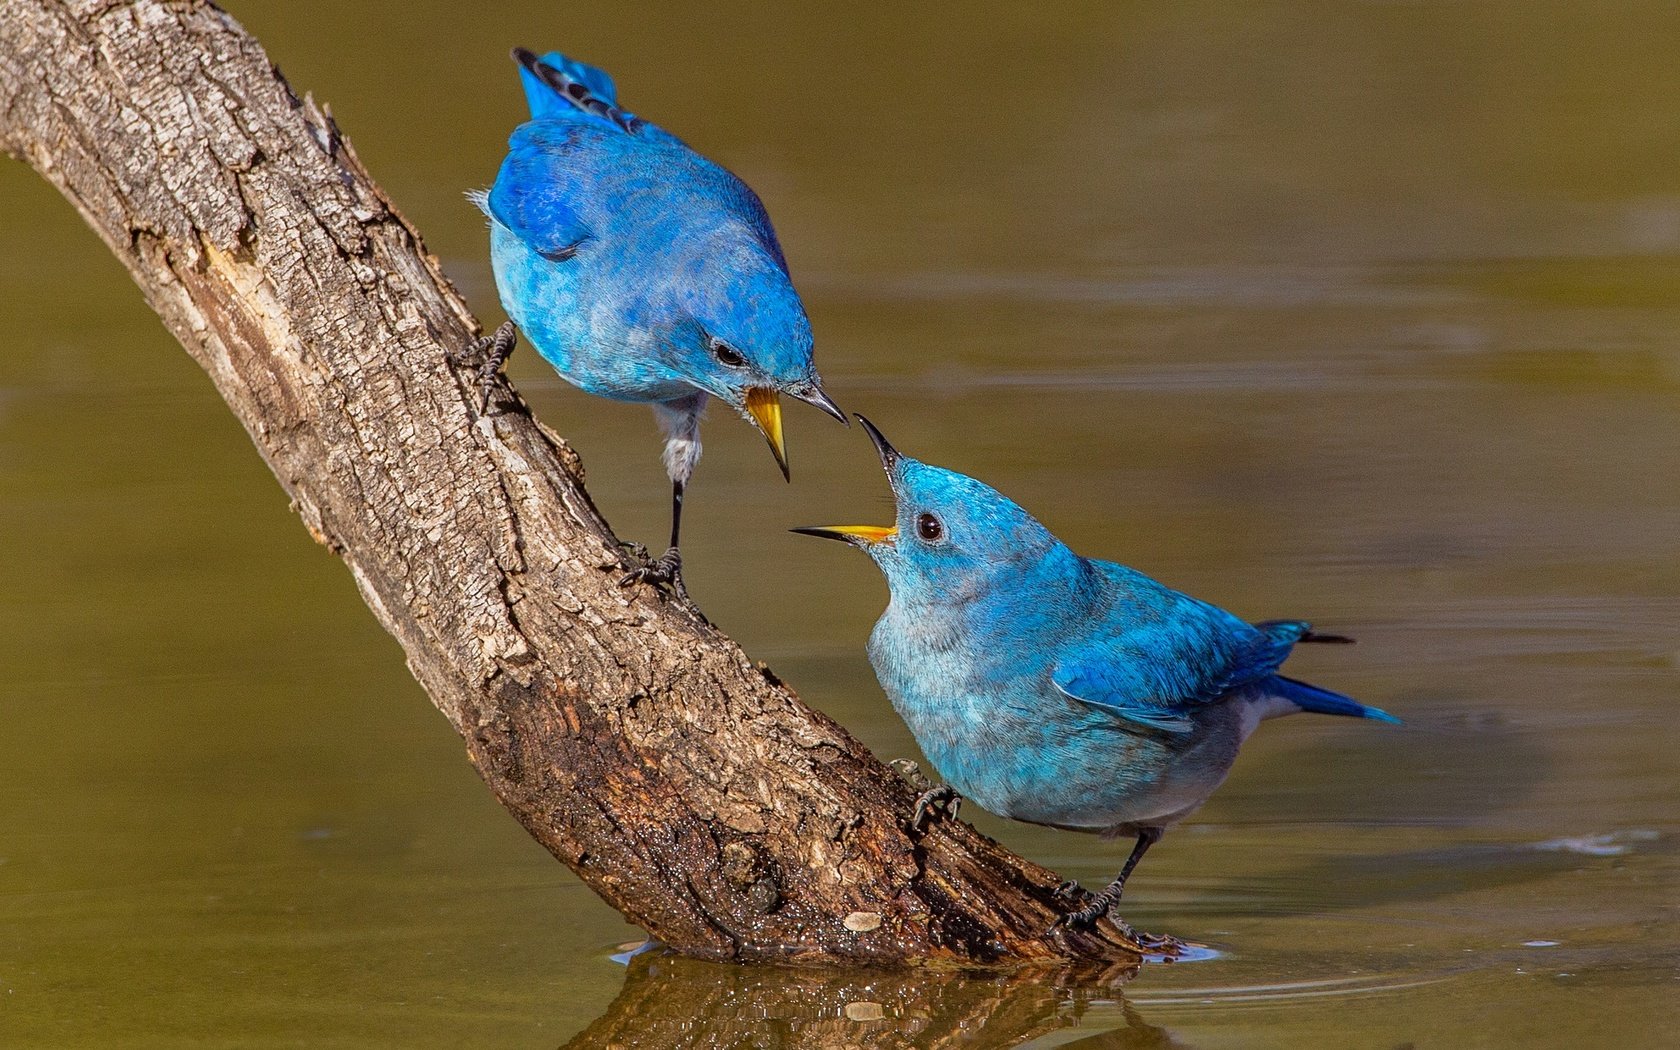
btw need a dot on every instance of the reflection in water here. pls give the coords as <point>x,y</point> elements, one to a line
<point>1137,1034</point>
<point>678,1004</point>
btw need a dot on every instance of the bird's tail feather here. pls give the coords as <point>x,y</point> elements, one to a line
<point>1289,632</point>
<point>1323,701</point>
<point>559,86</point>
<point>1326,639</point>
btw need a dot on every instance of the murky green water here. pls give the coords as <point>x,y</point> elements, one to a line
<point>1367,313</point>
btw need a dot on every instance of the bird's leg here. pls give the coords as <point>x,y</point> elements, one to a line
<point>676,514</point>
<point>1098,904</point>
<point>488,355</point>
<point>680,420</point>
<point>667,568</point>
<point>942,800</point>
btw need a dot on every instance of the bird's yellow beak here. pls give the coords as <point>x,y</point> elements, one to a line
<point>766,411</point>
<point>859,535</point>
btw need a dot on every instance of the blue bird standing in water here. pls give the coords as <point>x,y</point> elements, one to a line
<point>1056,689</point>
<point>642,272</point>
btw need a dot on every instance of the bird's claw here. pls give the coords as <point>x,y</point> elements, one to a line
<point>1096,906</point>
<point>911,772</point>
<point>1070,890</point>
<point>663,571</point>
<point>1163,944</point>
<point>942,800</point>
<point>487,355</point>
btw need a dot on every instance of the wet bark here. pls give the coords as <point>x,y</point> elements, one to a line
<point>686,785</point>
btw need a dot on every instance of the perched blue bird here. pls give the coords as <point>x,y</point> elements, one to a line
<point>642,272</point>
<point>1056,689</point>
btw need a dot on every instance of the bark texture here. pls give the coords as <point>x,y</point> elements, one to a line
<point>686,785</point>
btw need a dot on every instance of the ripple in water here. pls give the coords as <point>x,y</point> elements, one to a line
<point>1612,844</point>
<point>1281,991</point>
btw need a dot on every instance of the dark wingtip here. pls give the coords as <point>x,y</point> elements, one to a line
<point>889,455</point>
<point>524,57</point>
<point>1328,639</point>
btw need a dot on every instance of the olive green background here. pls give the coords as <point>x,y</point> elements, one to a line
<point>1362,312</point>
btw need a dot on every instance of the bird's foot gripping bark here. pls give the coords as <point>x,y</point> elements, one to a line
<point>1164,943</point>
<point>1097,905</point>
<point>932,801</point>
<point>487,356</point>
<point>664,571</point>
<point>1071,890</point>
<point>939,801</point>
<point>911,772</point>
<point>1101,905</point>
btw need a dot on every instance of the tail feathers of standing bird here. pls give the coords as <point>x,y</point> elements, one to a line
<point>1323,701</point>
<point>1291,632</point>
<point>557,86</point>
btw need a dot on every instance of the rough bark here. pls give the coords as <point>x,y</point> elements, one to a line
<point>686,785</point>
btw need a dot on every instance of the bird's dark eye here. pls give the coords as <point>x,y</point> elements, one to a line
<point>727,354</point>
<point>930,528</point>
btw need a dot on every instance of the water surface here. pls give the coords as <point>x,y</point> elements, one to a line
<point>1364,313</point>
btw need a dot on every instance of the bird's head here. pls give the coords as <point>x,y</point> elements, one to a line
<point>953,536</point>
<point>746,339</point>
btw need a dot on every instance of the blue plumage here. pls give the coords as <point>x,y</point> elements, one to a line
<point>642,271</point>
<point>1057,689</point>
<point>547,95</point>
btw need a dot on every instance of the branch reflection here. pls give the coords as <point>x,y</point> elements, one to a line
<point>677,1003</point>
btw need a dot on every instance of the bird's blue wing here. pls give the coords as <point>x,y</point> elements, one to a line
<point>530,196</point>
<point>1166,655</point>
<point>567,160</point>
<point>1118,690</point>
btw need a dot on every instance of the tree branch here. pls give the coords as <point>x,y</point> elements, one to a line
<point>688,787</point>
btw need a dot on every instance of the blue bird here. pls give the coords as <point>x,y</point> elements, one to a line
<point>1056,689</point>
<point>642,272</point>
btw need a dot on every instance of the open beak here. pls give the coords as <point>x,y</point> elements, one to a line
<point>862,535</point>
<point>856,535</point>
<point>815,395</point>
<point>883,447</point>
<point>766,411</point>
